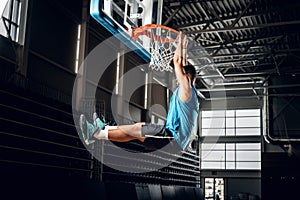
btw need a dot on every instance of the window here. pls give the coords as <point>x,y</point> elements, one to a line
<point>214,188</point>
<point>11,21</point>
<point>236,154</point>
<point>244,122</point>
<point>77,48</point>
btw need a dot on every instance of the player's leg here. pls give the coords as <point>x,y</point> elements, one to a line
<point>123,133</point>
<point>134,130</point>
<point>117,135</point>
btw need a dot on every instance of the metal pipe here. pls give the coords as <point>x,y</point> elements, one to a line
<point>250,97</point>
<point>233,75</point>
<point>249,88</point>
<point>225,89</point>
<point>276,53</point>
<point>220,74</point>
<point>237,83</point>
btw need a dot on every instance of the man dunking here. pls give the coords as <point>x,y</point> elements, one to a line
<point>182,115</point>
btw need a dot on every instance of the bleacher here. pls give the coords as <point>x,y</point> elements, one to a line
<point>39,134</point>
<point>41,153</point>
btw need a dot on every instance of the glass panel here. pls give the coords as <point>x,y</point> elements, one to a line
<point>230,113</point>
<point>213,113</point>
<point>248,155</point>
<point>15,11</point>
<point>209,188</point>
<point>248,112</point>
<point>213,155</point>
<point>247,131</point>
<point>213,123</point>
<point>230,132</point>
<point>230,122</point>
<point>230,165</point>
<point>249,146</point>
<point>2,29</point>
<point>6,10</point>
<point>248,165</point>
<point>213,146</point>
<point>13,32</point>
<point>230,155</point>
<point>213,165</point>
<point>219,189</point>
<point>248,122</point>
<point>214,188</point>
<point>2,6</point>
<point>230,146</point>
<point>212,132</point>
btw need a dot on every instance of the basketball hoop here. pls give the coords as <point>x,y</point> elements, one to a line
<point>160,41</point>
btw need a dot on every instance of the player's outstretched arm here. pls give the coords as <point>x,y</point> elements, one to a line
<point>180,60</point>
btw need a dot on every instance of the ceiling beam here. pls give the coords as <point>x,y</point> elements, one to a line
<point>241,14</point>
<point>227,38</point>
<point>171,16</point>
<point>246,40</point>
<point>255,26</point>
<point>234,18</point>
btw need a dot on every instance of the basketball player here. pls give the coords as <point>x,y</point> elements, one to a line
<point>182,115</point>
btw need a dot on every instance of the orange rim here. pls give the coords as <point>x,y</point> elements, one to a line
<point>143,30</point>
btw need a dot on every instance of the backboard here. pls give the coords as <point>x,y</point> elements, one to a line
<point>120,16</point>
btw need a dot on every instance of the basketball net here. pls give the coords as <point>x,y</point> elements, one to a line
<point>160,41</point>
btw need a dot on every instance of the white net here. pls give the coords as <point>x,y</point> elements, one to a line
<point>161,42</point>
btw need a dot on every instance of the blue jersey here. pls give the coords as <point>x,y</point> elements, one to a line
<point>182,118</point>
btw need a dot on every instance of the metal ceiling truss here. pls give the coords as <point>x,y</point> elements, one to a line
<point>242,40</point>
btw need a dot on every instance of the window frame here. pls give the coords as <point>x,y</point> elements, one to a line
<point>235,140</point>
<point>13,20</point>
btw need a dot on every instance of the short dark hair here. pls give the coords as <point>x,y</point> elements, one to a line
<point>190,69</point>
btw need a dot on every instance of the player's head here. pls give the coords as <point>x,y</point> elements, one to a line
<point>191,71</point>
